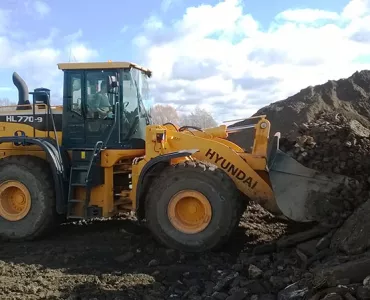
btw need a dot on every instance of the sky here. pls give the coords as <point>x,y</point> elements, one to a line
<point>230,57</point>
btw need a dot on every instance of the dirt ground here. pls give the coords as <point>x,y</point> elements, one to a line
<point>118,259</point>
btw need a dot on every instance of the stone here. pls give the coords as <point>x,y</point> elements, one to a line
<point>363,293</point>
<point>277,282</point>
<point>308,247</point>
<point>219,296</point>
<point>267,297</point>
<point>348,296</point>
<point>294,239</point>
<point>153,263</point>
<point>353,238</point>
<point>292,292</point>
<point>254,272</point>
<point>355,271</point>
<point>324,242</point>
<point>238,295</point>
<point>264,248</point>
<point>255,287</point>
<point>332,296</point>
<point>124,258</point>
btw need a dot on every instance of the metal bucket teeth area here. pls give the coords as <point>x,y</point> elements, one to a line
<point>301,193</point>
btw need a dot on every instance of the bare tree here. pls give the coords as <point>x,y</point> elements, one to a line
<point>164,113</point>
<point>199,118</point>
<point>4,102</point>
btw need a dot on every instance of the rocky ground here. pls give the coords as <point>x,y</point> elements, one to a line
<point>118,259</point>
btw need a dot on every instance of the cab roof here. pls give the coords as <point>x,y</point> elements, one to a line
<point>103,65</point>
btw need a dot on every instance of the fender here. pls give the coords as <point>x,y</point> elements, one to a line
<point>57,164</point>
<point>149,167</point>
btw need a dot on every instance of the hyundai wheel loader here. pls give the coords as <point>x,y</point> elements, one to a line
<point>99,155</point>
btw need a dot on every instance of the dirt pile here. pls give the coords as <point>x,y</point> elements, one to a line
<point>332,143</point>
<point>349,96</point>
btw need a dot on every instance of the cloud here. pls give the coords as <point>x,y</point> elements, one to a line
<point>167,4</point>
<point>307,15</point>
<point>80,52</point>
<point>36,59</point>
<point>4,20</point>
<point>124,29</point>
<point>75,36</point>
<point>221,58</point>
<point>41,7</point>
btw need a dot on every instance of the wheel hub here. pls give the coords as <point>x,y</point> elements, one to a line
<point>189,211</point>
<point>15,200</point>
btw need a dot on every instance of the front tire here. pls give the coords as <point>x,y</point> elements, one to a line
<point>27,199</point>
<point>192,207</point>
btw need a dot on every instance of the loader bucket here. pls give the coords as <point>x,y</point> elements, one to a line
<point>301,193</point>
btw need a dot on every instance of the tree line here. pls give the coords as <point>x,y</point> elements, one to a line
<point>199,117</point>
<point>162,114</point>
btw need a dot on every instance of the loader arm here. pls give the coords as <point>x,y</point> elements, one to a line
<point>245,178</point>
<point>214,149</point>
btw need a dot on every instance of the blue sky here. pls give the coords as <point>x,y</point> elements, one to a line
<point>207,53</point>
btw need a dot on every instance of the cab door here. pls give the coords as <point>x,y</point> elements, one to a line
<point>73,117</point>
<point>99,127</point>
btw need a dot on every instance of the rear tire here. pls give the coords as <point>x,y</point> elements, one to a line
<point>211,187</point>
<point>33,176</point>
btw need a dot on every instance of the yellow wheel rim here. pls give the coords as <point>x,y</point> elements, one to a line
<point>189,211</point>
<point>15,200</point>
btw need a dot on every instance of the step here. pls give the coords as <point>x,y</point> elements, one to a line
<point>75,217</point>
<point>80,168</point>
<point>78,184</point>
<point>76,201</point>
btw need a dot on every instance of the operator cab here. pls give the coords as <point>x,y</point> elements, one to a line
<point>105,102</point>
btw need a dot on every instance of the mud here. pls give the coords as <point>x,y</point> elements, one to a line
<point>118,259</point>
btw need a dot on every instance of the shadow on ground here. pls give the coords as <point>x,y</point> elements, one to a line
<point>115,259</point>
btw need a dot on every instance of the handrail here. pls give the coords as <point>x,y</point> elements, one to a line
<point>49,114</point>
<point>97,148</point>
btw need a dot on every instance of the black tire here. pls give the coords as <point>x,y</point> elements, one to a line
<point>35,174</point>
<point>218,188</point>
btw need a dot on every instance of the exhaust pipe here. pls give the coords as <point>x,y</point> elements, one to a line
<point>22,89</point>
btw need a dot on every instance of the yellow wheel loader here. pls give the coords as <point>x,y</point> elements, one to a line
<point>99,155</point>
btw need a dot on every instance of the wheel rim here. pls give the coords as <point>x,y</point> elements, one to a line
<point>15,200</point>
<point>189,211</point>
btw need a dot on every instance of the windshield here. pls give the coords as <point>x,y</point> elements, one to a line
<point>142,83</point>
<point>129,92</point>
<point>135,99</point>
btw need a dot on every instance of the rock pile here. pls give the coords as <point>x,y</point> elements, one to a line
<point>337,263</point>
<point>335,144</point>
